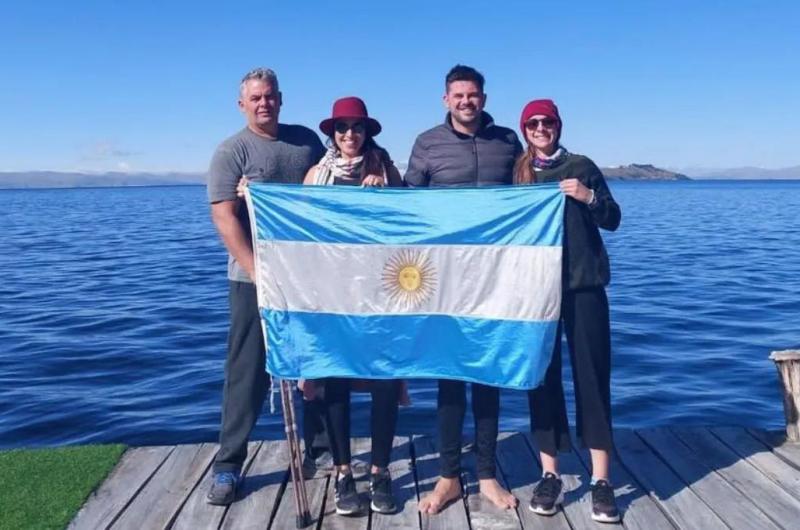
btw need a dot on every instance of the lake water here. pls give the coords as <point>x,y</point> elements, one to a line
<point>113,313</point>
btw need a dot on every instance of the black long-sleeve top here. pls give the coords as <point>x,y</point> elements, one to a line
<point>585,257</point>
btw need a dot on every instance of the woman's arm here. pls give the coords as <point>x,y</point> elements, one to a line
<point>309,178</point>
<point>604,209</point>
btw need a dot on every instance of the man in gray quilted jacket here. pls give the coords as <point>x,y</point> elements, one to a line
<point>468,149</point>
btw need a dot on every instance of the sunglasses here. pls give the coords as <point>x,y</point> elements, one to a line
<point>342,127</point>
<point>547,123</point>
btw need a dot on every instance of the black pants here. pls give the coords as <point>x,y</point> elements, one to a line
<point>246,379</point>
<point>452,405</point>
<point>315,434</point>
<point>584,318</point>
<point>383,418</point>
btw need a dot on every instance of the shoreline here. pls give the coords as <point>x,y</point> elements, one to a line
<point>202,184</point>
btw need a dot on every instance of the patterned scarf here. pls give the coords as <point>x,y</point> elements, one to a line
<point>549,162</point>
<point>332,166</point>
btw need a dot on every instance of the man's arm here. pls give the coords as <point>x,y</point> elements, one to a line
<point>230,230</point>
<point>417,172</point>
<point>227,166</point>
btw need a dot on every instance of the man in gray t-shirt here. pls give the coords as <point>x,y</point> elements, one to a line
<point>283,159</point>
<point>264,151</point>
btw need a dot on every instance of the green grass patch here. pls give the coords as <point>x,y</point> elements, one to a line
<point>44,488</point>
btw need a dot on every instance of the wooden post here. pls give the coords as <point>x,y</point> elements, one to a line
<point>788,364</point>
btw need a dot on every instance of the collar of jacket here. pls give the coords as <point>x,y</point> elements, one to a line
<point>486,122</point>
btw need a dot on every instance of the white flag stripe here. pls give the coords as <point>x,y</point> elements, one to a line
<point>482,281</point>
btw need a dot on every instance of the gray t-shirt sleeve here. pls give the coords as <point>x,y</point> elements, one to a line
<point>318,147</point>
<point>224,172</point>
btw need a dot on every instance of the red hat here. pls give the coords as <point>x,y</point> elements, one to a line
<point>350,107</point>
<point>542,107</point>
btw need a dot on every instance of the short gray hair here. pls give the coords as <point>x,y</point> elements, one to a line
<point>261,74</point>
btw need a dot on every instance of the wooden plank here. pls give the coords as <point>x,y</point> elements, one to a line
<point>404,488</point>
<point>360,450</point>
<point>159,501</point>
<point>196,513</point>
<point>521,470</point>
<point>682,505</point>
<point>771,499</point>
<point>638,510</point>
<point>259,496</point>
<point>426,463</point>
<point>285,515</point>
<point>746,446</point>
<point>127,478</point>
<point>789,451</point>
<point>732,507</point>
<point>577,496</point>
<point>483,514</point>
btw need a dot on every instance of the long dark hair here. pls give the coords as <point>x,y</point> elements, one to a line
<point>376,159</point>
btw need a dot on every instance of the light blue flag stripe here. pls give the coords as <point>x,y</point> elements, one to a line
<point>506,215</point>
<point>503,353</point>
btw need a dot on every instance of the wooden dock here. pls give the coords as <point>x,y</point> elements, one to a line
<point>692,478</point>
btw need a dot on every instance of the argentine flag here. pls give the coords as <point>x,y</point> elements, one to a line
<point>456,283</point>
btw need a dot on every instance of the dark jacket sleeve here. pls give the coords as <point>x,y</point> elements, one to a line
<point>417,175</point>
<point>606,212</point>
<point>517,148</point>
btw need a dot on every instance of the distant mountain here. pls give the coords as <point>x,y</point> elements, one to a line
<point>58,179</point>
<point>641,172</point>
<point>786,173</point>
<point>630,172</point>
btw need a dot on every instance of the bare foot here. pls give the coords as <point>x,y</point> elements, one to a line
<point>492,490</point>
<point>446,490</point>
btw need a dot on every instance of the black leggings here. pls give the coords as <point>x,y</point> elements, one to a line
<point>584,318</point>
<point>452,405</point>
<point>383,418</point>
<point>315,435</point>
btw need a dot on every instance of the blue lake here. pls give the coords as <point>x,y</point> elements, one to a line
<point>113,313</point>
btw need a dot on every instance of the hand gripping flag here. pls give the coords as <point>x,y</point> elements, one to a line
<point>457,283</point>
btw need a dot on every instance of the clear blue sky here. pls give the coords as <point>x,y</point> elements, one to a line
<point>152,86</point>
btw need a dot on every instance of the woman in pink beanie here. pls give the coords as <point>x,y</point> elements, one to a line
<point>584,312</point>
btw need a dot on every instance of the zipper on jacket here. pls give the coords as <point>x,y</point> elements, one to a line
<point>475,157</point>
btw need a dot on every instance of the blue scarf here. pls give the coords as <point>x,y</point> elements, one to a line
<point>549,162</point>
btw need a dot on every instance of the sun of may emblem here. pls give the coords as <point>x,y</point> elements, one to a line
<point>409,278</point>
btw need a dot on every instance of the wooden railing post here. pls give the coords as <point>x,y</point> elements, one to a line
<point>788,364</point>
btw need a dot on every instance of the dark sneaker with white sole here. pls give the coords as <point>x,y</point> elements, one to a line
<point>345,495</point>
<point>547,495</point>
<point>604,505</point>
<point>223,488</point>
<point>380,489</point>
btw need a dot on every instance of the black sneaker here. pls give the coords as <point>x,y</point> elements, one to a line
<point>346,496</point>
<point>547,495</point>
<point>604,505</point>
<point>380,488</point>
<point>223,488</point>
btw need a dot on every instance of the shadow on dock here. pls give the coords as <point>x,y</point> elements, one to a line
<point>700,477</point>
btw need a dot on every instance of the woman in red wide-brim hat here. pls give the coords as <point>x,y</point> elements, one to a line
<point>355,159</point>
<point>584,312</point>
